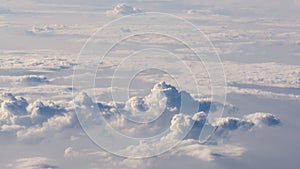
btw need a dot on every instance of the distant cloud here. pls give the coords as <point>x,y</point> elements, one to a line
<point>123,9</point>
<point>35,62</point>
<point>232,123</point>
<point>261,118</point>
<point>47,29</point>
<point>69,152</point>
<point>61,30</point>
<point>32,163</point>
<point>31,80</point>
<point>229,124</point>
<point>203,152</point>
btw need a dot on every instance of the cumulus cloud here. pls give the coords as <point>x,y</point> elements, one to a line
<point>70,152</point>
<point>228,124</point>
<point>47,29</point>
<point>42,111</point>
<point>31,80</point>
<point>11,108</point>
<point>123,9</point>
<point>225,125</point>
<point>261,118</point>
<point>32,163</point>
<point>40,119</point>
<point>54,124</point>
<point>184,128</point>
<point>32,120</point>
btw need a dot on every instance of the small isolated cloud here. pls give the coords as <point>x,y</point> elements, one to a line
<point>228,124</point>
<point>47,29</point>
<point>32,163</point>
<point>32,80</point>
<point>123,9</point>
<point>261,118</point>
<point>70,152</point>
<point>60,30</point>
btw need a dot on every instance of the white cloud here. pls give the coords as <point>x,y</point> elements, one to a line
<point>261,118</point>
<point>46,118</point>
<point>10,128</point>
<point>70,152</point>
<point>50,127</point>
<point>178,123</point>
<point>61,30</point>
<point>34,120</point>
<point>265,74</point>
<point>36,61</point>
<point>42,111</point>
<point>123,9</point>
<point>32,163</point>
<point>11,108</point>
<point>47,28</point>
<point>31,80</point>
<point>207,152</point>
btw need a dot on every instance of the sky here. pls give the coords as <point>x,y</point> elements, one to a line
<point>149,84</point>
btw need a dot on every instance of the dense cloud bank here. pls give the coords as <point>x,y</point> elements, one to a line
<point>167,98</point>
<point>39,119</point>
<point>30,120</point>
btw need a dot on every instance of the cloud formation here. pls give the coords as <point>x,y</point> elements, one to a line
<point>70,152</point>
<point>32,120</point>
<point>168,99</point>
<point>32,80</point>
<point>261,118</point>
<point>124,9</point>
<point>32,163</point>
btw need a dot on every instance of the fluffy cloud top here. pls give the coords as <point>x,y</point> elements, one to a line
<point>40,119</point>
<point>41,112</point>
<point>123,9</point>
<point>261,118</point>
<point>43,118</point>
<point>11,106</point>
<point>168,98</point>
<point>29,120</point>
<point>47,29</point>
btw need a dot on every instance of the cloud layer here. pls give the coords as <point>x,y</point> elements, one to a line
<point>182,126</point>
<point>32,163</point>
<point>32,120</point>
